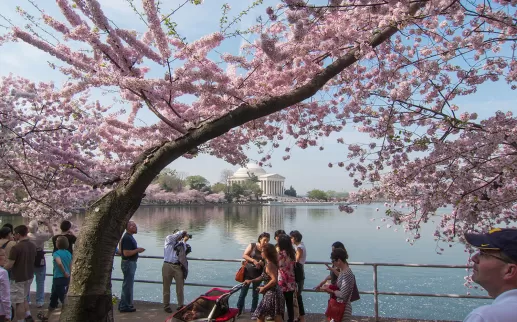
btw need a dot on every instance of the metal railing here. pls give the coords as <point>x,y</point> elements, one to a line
<point>375,292</point>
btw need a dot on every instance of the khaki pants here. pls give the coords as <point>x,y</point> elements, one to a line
<point>170,272</point>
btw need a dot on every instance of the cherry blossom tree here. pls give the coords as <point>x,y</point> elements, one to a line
<point>156,195</point>
<point>393,68</point>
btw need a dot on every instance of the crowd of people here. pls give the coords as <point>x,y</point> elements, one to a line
<point>22,260</point>
<point>275,271</point>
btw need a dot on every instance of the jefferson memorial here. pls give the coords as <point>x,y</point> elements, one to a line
<point>272,184</point>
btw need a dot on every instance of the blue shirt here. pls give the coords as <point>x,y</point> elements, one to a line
<point>66,259</point>
<point>129,243</point>
<point>501,310</point>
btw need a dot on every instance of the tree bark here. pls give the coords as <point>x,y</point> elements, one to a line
<point>89,296</point>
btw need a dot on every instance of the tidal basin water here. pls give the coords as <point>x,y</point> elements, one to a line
<point>225,231</point>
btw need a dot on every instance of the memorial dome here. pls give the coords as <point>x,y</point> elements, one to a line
<point>250,168</point>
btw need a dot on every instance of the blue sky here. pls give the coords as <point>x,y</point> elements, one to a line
<point>307,169</point>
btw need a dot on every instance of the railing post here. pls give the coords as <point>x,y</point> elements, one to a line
<point>375,293</point>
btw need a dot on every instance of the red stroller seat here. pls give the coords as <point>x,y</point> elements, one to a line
<point>211,306</point>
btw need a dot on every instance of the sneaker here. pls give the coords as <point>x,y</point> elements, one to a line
<point>129,310</point>
<point>179,307</point>
<point>29,319</point>
<point>168,310</point>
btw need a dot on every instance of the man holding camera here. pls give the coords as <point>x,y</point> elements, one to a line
<point>175,266</point>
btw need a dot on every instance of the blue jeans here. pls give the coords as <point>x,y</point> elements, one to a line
<point>59,290</point>
<point>126,299</point>
<point>244,292</point>
<point>39,274</point>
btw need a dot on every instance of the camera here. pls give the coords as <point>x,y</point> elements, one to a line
<point>189,236</point>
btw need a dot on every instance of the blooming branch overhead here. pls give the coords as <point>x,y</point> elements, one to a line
<point>392,69</point>
<point>54,150</point>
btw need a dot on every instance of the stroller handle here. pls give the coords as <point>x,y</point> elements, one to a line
<point>236,288</point>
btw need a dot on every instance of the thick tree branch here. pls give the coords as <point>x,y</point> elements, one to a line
<point>143,175</point>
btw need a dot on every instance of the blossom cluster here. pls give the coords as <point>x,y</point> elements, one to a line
<point>53,150</point>
<point>155,194</point>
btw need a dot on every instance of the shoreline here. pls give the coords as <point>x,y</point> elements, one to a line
<point>225,204</point>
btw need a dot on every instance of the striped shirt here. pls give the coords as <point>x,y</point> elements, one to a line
<point>345,282</point>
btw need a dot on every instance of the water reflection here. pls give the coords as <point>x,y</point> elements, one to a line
<point>243,222</point>
<point>289,214</point>
<point>321,214</point>
<point>272,218</point>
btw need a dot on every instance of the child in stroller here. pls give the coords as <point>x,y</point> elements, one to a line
<point>211,306</point>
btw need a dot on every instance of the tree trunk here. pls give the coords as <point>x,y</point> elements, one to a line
<point>89,297</point>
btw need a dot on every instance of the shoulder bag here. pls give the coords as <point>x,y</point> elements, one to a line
<point>355,294</point>
<point>253,271</point>
<point>239,276</point>
<point>335,310</point>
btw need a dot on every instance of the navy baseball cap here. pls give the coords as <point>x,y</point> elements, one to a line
<point>502,239</point>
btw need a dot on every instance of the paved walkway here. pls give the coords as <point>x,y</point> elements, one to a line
<point>153,312</point>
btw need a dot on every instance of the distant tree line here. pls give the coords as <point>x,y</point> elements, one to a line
<point>290,192</point>
<point>176,182</point>
<point>172,181</point>
<point>327,195</point>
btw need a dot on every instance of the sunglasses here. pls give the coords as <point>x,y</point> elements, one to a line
<point>334,260</point>
<point>485,254</point>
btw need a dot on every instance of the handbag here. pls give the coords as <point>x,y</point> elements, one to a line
<point>39,260</point>
<point>253,271</point>
<point>239,276</point>
<point>335,310</point>
<point>355,294</point>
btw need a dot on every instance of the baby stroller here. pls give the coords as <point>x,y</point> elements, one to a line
<point>210,307</point>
